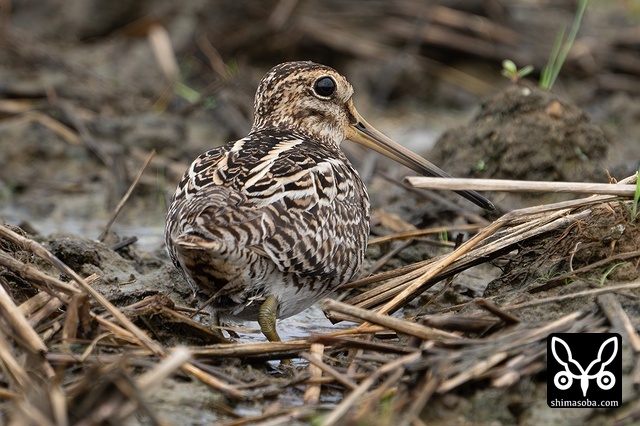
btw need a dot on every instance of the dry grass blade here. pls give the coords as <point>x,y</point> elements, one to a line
<point>559,279</point>
<point>611,307</point>
<point>40,251</point>
<point>364,344</point>
<point>163,51</point>
<point>497,311</point>
<point>586,293</point>
<point>476,370</point>
<point>54,125</point>
<point>339,377</point>
<point>28,307</point>
<point>284,416</point>
<point>126,196</point>
<point>417,284</point>
<point>422,233</point>
<point>482,358</point>
<point>18,106</point>
<point>429,387</point>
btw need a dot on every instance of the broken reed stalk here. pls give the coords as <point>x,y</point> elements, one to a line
<point>398,325</point>
<point>504,185</point>
<point>19,323</point>
<point>16,374</point>
<point>312,393</point>
<point>126,196</point>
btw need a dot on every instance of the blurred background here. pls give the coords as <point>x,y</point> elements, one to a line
<point>88,88</point>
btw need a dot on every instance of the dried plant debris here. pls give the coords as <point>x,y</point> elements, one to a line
<point>84,350</point>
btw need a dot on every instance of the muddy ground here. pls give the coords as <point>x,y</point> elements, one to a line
<point>84,100</point>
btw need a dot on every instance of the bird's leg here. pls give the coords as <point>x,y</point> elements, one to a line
<point>267,318</point>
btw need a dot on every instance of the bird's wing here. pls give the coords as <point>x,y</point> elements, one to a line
<point>299,211</point>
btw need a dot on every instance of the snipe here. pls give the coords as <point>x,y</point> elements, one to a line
<point>268,224</point>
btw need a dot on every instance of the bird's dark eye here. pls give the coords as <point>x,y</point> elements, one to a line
<point>324,87</point>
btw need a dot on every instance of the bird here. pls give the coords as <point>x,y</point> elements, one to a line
<point>266,225</point>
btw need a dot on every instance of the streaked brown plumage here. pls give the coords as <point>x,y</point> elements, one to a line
<point>272,222</point>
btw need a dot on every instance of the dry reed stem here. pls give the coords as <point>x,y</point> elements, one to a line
<point>267,349</point>
<point>398,325</point>
<point>312,393</point>
<point>522,186</point>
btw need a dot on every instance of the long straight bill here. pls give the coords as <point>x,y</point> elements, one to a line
<point>363,133</point>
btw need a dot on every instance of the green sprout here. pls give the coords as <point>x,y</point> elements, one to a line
<point>561,49</point>
<point>511,71</point>
<point>606,273</point>
<point>186,92</point>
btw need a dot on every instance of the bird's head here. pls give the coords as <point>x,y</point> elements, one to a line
<point>316,100</point>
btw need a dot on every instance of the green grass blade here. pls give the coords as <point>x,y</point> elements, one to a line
<point>561,50</point>
<point>547,71</point>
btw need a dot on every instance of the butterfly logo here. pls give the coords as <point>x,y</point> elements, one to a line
<point>564,379</point>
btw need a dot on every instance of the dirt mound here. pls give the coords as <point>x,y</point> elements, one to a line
<point>525,133</point>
